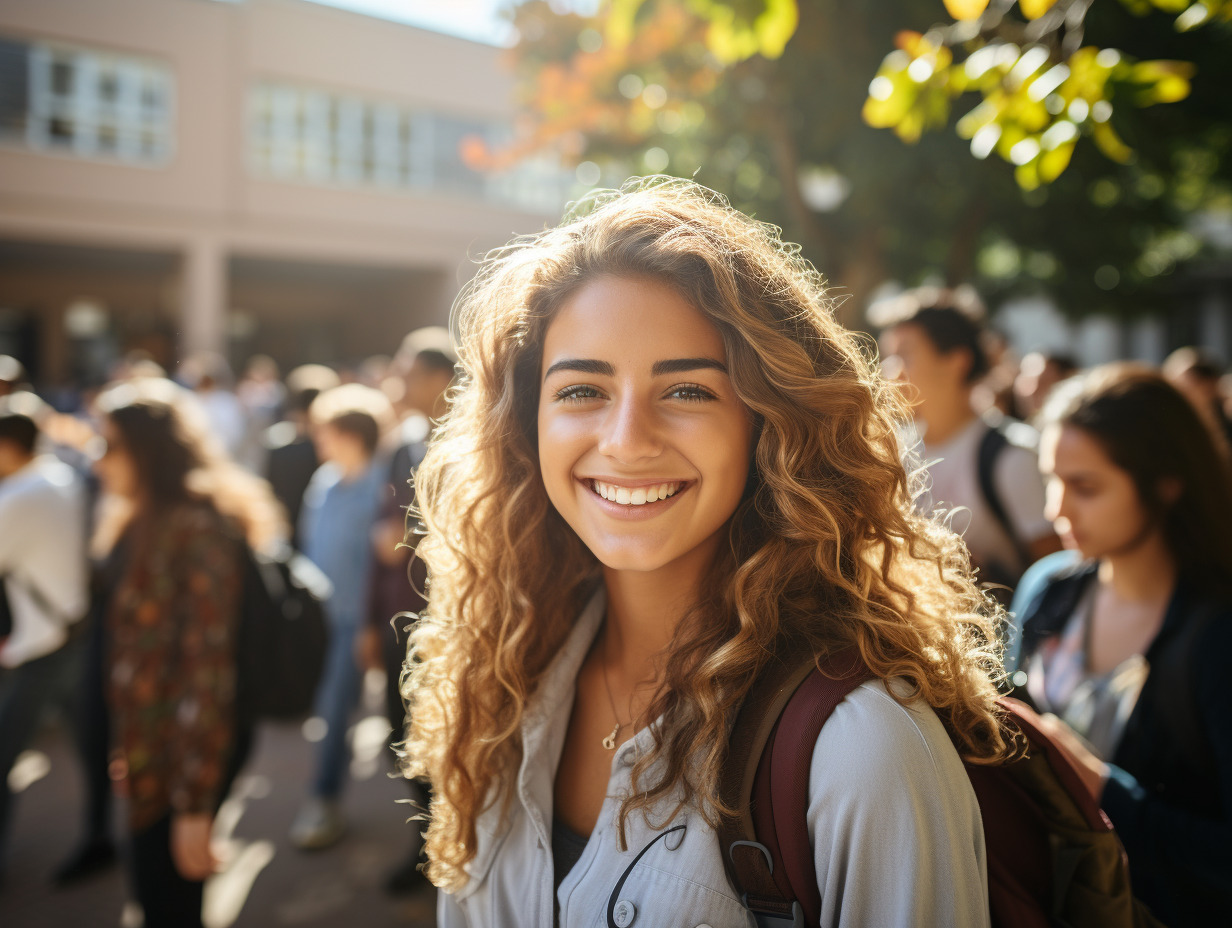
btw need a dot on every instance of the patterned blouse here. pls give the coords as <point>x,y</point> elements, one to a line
<point>172,627</point>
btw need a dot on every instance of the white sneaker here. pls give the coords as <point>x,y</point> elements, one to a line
<point>318,824</point>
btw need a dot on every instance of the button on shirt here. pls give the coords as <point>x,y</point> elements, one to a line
<point>42,549</point>
<point>897,832</point>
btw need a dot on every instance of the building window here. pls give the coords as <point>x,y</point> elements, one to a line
<point>88,103</point>
<point>308,135</point>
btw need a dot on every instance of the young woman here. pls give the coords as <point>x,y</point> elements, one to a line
<point>664,461</point>
<point>1128,646</point>
<point>171,613</point>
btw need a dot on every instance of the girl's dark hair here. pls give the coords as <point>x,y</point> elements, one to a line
<point>176,460</point>
<point>1153,433</point>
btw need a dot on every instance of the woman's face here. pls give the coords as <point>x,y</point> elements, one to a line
<point>115,468</point>
<point>643,444</point>
<point>1093,504</point>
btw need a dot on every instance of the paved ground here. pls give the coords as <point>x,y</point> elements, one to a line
<point>267,882</point>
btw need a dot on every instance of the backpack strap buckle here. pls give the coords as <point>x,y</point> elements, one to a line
<point>777,918</point>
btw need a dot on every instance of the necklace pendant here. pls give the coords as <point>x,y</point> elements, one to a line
<point>610,741</point>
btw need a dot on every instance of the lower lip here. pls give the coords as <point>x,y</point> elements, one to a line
<point>631,513</point>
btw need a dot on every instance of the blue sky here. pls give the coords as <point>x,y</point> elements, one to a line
<point>471,19</point>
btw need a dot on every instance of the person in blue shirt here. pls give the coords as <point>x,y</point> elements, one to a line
<point>340,509</point>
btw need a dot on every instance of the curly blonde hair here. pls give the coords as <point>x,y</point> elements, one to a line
<point>825,551</point>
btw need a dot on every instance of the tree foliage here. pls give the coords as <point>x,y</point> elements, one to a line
<point>771,103</point>
<point>1042,89</point>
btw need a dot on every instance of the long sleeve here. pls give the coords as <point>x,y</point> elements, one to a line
<point>171,691</point>
<point>448,913</point>
<point>1181,852</point>
<point>206,571</point>
<point>898,838</point>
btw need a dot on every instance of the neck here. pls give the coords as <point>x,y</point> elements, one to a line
<point>352,467</point>
<point>645,610</point>
<point>945,419</point>
<point>1143,572</point>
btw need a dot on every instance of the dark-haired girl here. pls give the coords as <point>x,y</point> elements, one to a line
<point>181,517</point>
<point>1129,645</point>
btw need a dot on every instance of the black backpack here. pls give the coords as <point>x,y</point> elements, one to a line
<point>282,636</point>
<point>1003,432</point>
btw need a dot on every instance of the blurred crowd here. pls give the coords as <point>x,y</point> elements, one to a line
<point>124,523</point>
<point>127,527</point>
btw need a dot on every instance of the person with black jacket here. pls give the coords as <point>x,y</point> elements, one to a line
<point>1127,646</point>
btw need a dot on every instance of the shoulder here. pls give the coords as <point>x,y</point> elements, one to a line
<point>877,749</point>
<point>198,526</point>
<point>324,479</point>
<point>896,829</point>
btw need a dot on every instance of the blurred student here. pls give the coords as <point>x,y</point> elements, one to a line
<point>1197,374</point>
<point>1128,646</point>
<point>1038,373</point>
<point>209,376</point>
<point>985,473</point>
<point>42,583</point>
<point>424,368</point>
<point>12,375</point>
<point>291,457</point>
<point>261,395</point>
<point>172,616</point>
<point>340,508</point>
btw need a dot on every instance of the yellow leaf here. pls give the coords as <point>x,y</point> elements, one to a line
<point>1052,163</point>
<point>1027,175</point>
<point>1110,143</point>
<point>965,9</point>
<point>1034,9</point>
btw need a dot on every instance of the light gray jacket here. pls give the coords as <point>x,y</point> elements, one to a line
<point>897,836</point>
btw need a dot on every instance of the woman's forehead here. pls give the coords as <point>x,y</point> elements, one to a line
<point>631,320</point>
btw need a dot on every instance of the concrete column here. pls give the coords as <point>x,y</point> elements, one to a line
<point>203,306</point>
<point>1214,329</point>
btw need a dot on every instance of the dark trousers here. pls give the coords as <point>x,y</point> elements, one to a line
<point>93,737</point>
<point>26,692</point>
<point>395,711</point>
<point>167,899</point>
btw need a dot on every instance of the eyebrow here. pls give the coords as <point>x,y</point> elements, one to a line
<point>681,365</point>
<point>581,366</point>
<point>605,369</point>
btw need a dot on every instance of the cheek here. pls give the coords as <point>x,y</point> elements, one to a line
<point>560,445</point>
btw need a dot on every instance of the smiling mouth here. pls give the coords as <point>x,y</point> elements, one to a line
<point>636,496</point>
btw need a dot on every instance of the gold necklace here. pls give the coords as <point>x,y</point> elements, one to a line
<point>610,741</point>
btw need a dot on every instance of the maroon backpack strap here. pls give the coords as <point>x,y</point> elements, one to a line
<point>767,849</point>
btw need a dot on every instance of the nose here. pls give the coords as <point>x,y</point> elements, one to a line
<point>630,432</point>
<point>1056,501</point>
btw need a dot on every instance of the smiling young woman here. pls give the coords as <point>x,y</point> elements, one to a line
<point>665,462</point>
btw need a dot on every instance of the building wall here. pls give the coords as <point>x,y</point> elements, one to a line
<point>210,203</point>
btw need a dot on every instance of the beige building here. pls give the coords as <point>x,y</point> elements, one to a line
<point>248,176</point>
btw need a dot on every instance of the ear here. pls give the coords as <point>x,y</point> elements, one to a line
<point>1169,489</point>
<point>960,361</point>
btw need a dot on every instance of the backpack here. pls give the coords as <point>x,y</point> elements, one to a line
<point>1002,433</point>
<point>1053,857</point>
<point>282,636</point>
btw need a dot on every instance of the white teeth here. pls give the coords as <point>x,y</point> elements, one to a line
<point>635,497</point>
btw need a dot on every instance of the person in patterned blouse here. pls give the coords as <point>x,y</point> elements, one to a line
<point>171,624</point>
